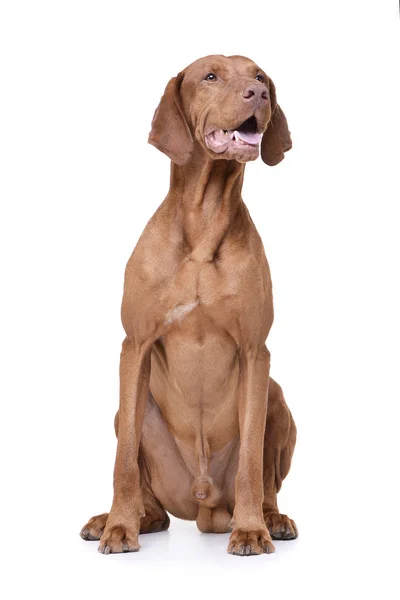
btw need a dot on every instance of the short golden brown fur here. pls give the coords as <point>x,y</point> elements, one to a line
<point>194,434</point>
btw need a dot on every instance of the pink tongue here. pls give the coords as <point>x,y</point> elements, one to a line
<point>250,138</point>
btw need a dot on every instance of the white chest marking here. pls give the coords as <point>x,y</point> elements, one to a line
<point>176,314</point>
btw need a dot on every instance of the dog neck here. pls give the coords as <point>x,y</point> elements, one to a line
<point>208,201</point>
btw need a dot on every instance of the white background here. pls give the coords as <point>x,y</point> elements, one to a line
<point>79,84</point>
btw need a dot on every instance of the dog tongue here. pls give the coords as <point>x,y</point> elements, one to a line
<point>249,138</point>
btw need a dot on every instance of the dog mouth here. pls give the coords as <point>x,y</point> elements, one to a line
<point>245,135</point>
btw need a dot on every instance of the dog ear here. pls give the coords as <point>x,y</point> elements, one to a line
<point>170,132</point>
<point>276,139</point>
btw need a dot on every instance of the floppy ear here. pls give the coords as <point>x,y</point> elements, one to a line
<point>170,132</point>
<point>276,139</point>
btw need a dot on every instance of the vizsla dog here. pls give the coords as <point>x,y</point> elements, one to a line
<point>203,431</point>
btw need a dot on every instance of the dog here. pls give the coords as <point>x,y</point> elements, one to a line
<point>204,432</point>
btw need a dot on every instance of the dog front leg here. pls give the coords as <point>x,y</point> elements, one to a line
<point>250,534</point>
<point>123,523</point>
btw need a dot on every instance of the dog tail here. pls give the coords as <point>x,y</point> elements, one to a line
<point>205,491</point>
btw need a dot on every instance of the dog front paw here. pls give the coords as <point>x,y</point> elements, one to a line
<point>248,543</point>
<point>119,538</point>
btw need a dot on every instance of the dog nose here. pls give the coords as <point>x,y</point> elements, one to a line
<point>256,93</point>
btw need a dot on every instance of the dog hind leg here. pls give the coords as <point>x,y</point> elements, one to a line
<point>279,443</point>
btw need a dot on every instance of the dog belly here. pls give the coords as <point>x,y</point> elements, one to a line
<point>194,381</point>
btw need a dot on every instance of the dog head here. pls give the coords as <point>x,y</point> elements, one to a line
<point>226,104</point>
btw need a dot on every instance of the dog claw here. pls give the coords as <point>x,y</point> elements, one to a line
<point>290,534</point>
<point>280,534</point>
<point>87,536</point>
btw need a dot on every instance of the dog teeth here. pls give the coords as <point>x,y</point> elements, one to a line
<point>232,135</point>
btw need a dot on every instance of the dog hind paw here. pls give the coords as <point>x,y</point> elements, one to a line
<point>93,530</point>
<point>280,526</point>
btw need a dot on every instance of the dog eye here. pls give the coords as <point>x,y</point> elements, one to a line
<point>260,78</point>
<point>210,77</point>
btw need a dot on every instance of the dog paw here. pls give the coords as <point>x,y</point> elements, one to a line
<point>247,543</point>
<point>118,539</point>
<point>280,526</point>
<point>93,530</point>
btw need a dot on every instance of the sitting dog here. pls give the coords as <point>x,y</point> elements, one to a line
<point>203,431</point>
